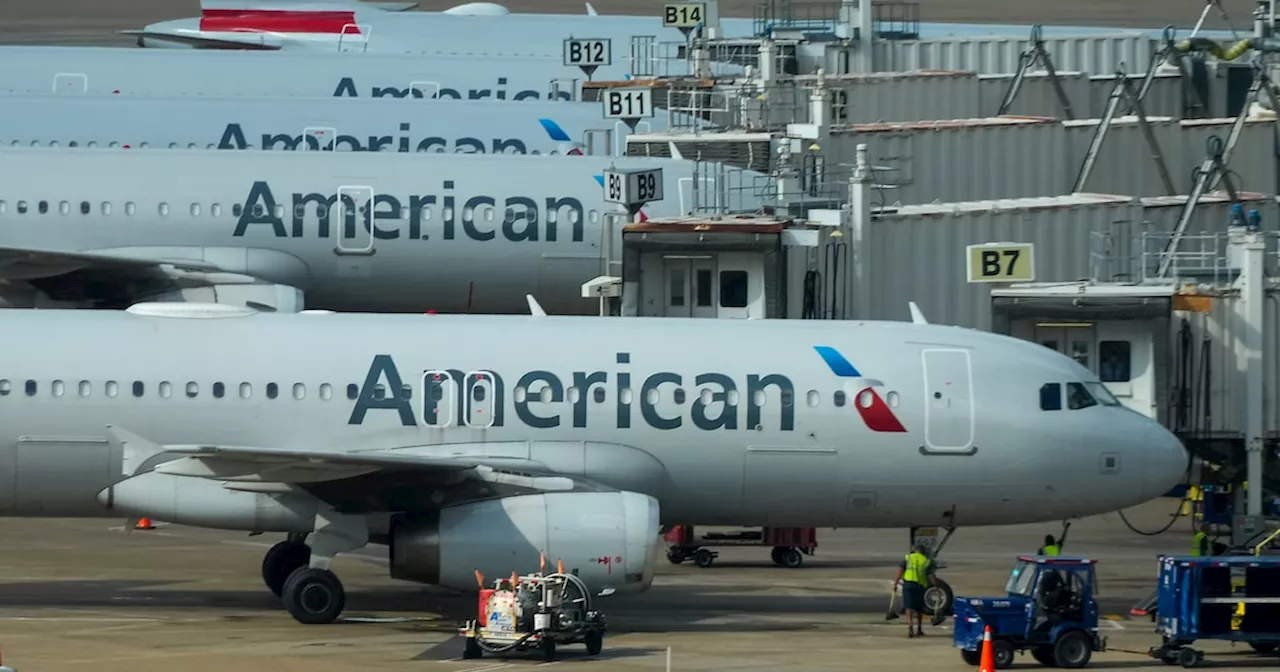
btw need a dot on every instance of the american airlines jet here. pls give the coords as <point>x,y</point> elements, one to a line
<point>443,126</point>
<point>476,442</point>
<point>384,231</point>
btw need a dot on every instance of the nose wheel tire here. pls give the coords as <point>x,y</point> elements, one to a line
<point>314,596</point>
<point>939,599</point>
<point>281,561</point>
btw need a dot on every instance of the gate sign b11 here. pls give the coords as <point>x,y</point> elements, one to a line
<point>1001,262</point>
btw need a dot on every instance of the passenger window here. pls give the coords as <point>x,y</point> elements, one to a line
<point>215,210</point>
<point>1078,397</point>
<point>106,208</point>
<point>379,392</point>
<point>164,209</point>
<point>218,390</point>
<point>113,388</point>
<point>838,398</point>
<point>57,388</point>
<point>1051,397</point>
<point>1113,364</point>
<point>299,391</point>
<point>31,388</point>
<point>893,398</point>
<point>572,394</point>
<point>787,398</point>
<point>273,390</point>
<point>813,398</point>
<point>733,289</point>
<point>192,390</point>
<point>246,390</point>
<point>598,395</point>
<point>22,207</point>
<point>5,387</point>
<point>353,391</point>
<point>130,208</point>
<point>138,388</point>
<point>43,207</point>
<point>64,208</point>
<point>236,210</point>
<point>406,391</point>
<point>86,388</point>
<point>326,391</point>
<point>85,207</point>
<point>195,209</point>
<point>166,389</point>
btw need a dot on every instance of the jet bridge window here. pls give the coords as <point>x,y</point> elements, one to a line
<point>1114,361</point>
<point>1078,397</point>
<point>1051,397</point>
<point>733,289</point>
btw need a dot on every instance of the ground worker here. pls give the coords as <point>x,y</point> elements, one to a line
<point>1200,540</point>
<point>1054,546</point>
<point>914,573</point>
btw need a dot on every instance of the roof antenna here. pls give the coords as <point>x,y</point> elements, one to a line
<point>917,317</point>
<point>534,308</point>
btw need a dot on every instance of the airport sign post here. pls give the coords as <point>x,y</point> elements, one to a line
<point>633,188</point>
<point>1000,262</point>
<point>629,105</point>
<point>683,15</point>
<point>588,54</point>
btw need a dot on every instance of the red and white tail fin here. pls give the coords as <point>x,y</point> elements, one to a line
<point>279,16</point>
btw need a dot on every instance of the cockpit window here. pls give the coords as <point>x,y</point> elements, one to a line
<point>1051,397</point>
<point>1078,397</point>
<point>1102,394</point>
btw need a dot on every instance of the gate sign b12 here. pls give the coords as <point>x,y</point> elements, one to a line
<point>588,54</point>
<point>1001,262</point>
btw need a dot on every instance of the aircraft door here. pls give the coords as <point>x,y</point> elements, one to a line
<point>319,138</point>
<point>355,220</point>
<point>439,399</point>
<point>481,399</point>
<point>948,400</point>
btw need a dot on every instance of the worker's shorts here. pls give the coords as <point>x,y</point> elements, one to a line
<point>912,596</point>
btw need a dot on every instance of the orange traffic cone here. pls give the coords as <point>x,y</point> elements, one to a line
<point>988,663</point>
<point>144,524</point>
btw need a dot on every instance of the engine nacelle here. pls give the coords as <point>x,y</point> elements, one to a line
<point>610,539</point>
<point>280,298</point>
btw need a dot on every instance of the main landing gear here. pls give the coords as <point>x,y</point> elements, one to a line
<point>299,573</point>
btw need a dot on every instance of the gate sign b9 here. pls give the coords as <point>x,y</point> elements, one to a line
<point>633,188</point>
<point>1001,262</point>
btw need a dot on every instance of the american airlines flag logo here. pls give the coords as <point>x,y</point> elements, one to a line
<point>874,411</point>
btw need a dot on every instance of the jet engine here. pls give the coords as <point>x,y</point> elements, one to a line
<point>262,296</point>
<point>609,539</point>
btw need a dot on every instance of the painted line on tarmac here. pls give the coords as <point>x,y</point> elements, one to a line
<point>94,619</point>
<point>486,669</point>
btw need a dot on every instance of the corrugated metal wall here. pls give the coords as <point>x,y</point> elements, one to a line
<point>994,55</point>
<point>893,249</point>
<point>1036,96</point>
<point>910,96</point>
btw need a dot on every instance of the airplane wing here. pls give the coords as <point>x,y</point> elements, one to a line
<point>104,279</point>
<point>249,43</point>
<point>362,481</point>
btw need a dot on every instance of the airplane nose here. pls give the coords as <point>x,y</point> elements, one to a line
<point>1167,461</point>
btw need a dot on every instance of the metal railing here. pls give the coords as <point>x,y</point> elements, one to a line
<point>891,19</point>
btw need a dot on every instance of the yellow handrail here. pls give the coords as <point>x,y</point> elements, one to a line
<point>1257,550</point>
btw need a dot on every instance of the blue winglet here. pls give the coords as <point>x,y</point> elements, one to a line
<point>839,365</point>
<point>553,129</point>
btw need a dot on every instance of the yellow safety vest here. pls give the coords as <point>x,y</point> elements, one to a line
<point>916,565</point>
<point>1051,549</point>
<point>1196,540</point>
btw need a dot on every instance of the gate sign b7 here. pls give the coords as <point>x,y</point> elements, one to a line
<point>1001,262</point>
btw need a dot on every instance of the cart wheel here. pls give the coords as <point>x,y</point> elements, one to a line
<point>1263,647</point>
<point>1189,657</point>
<point>791,558</point>
<point>1044,656</point>
<point>675,558</point>
<point>703,558</point>
<point>472,649</point>
<point>776,555</point>
<point>1073,650</point>
<point>594,641</point>
<point>1003,653</point>
<point>548,647</point>
<point>971,658</point>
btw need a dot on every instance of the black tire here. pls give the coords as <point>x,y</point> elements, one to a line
<point>775,554</point>
<point>971,658</point>
<point>1004,653</point>
<point>939,595</point>
<point>1073,650</point>
<point>281,561</point>
<point>1263,647</point>
<point>1189,657</point>
<point>675,558</point>
<point>1044,656</point>
<point>594,640</point>
<point>472,649</point>
<point>314,596</point>
<point>791,558</point>
<point>703,558</point>
<point>548,647</point>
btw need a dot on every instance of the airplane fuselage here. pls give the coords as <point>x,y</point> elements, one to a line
<point>725,422</point>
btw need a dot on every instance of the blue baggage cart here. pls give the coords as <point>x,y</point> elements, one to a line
<point>1197,600</point>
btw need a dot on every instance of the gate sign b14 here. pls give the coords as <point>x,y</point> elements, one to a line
<point>633,188</point>
<point>1001,262</point>
<point>683,15</point>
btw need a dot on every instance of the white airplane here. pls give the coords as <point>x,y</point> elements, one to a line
<point>479,127</point>
<point>201,72</point>
<point>476,442</point>
<point>478,28</point>
<point>448,232</point>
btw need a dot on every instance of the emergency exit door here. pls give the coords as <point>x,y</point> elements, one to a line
<point>689,286</point>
